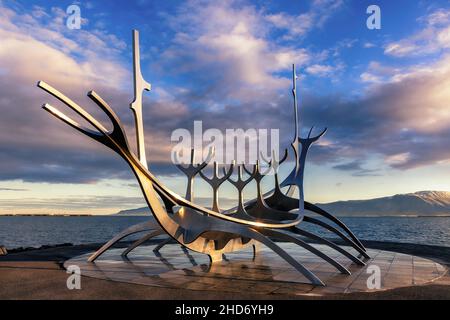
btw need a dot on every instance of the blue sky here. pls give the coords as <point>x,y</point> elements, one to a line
<point>384,94</point>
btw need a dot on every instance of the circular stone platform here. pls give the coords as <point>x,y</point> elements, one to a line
<point>174,267</point>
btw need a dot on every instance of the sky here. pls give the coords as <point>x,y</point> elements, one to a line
<point>383,94</point>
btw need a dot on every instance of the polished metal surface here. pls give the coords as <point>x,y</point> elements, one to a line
<point>139,86</point>
<point>240,184</point>
<point>145,238</point>
<point>300,149</point>
<point>215,182</point>
<point>193,226</point>
<point>260,209</point>
<point>144,226</point>
<point>270,216</point>
<point>191,170</point>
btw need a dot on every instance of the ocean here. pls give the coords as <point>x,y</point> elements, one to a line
<point>29,231</point>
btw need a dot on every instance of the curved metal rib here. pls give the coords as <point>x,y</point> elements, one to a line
<point>337,232</point>
<point>240,184</point>
<point>75,107</point>
<point>192,170</point>
<point>215,182</point>
<point>90,133</point>
<point>331,244</point>
<point>260,209</point>
<point>147,225</point>
<point>276,199</point>
<point>283,235</point>
<point>283,254</point>
<point>137,243</point>
<point>133,161</point>
<point>290,203</point>
<point>311,207</point>
<point>260,237</point>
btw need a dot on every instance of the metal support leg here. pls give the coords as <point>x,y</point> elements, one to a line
<point>147,225</point>
<point>311,207</point>
<point>283,235</point>
<point>328,243</point>
<point>337,232</point>
<point>142,240</point>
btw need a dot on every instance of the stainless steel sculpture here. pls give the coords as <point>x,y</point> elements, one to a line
<point>274,215</point>
<point>139,86</point>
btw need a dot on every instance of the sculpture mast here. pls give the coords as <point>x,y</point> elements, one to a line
<point>294,93</point>
<point>296,140</point>
<point>139,86</point>
<point>295,178</point>
<point>300,147</point>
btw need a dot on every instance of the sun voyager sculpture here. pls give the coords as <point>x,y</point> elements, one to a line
<point>275,215</point>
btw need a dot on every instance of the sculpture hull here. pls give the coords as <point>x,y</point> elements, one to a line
<point>190,228</point>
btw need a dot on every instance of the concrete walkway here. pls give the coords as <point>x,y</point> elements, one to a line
<point>38,274</point>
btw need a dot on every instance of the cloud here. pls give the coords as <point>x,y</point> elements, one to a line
<point>432,38</point>
<point>357,168</point>
<point>379,73</point>
<point>228,51</point>
<point>398,159</point>
<point>225,69</point>
<point>349,166</point>
<point>436,18</point>
<point>296,26</point>
<point>33,146</point>
<point>402,117</point>
<point>321,70</point>
<point>418,94</point>
<point>369,77</point>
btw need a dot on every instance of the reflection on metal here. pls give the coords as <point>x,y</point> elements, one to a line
<point>215,182</point>
<point>192,170</point>
<point>145,226</point>
<point>260,209</point>
<point>240,184</point>
<point>295,178</point>
<point>139,86</point>
<point>274,215</point>
<point>137,243</point>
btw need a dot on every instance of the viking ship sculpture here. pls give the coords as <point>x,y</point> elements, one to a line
<point>275,215</point>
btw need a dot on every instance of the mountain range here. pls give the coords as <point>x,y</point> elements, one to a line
<point>421,203</point>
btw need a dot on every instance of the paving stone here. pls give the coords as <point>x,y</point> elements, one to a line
<point>267,274</point>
